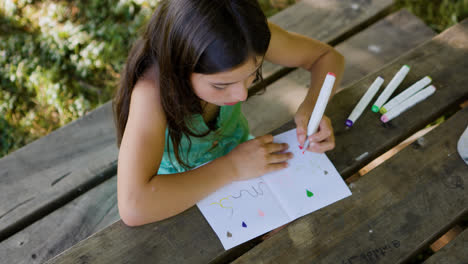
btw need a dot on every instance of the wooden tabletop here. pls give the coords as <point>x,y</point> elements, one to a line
<point>61,189</point>
<point>402,205</point>
<point>395,210</point>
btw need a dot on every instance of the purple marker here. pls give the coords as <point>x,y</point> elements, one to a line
<point>365,100</point>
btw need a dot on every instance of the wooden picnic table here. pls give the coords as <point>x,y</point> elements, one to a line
<point>60,204</point>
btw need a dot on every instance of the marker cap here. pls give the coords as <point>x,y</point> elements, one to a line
<point>349,123</point>
<point>332,74</point>
<point>384,119</point>
<point>383,110</point>
<point>375,109</point>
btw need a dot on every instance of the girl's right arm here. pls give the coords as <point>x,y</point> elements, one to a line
<point>144,197</point>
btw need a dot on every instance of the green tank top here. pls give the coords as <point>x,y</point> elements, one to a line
<point>231,129</point>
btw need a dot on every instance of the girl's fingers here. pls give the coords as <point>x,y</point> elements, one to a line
<point>323,146</point>
<point>301,133</point>
<point>301,138</point>
<point>276,158</point>
<point>276,166</point>
<point>320,136</point>
<point>325,131</point>
<point>276,147</point>
<point>301,119</point>
<point>266,139</point>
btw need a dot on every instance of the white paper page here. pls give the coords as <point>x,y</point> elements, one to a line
<point>241,211</point>
<point>309,183</point>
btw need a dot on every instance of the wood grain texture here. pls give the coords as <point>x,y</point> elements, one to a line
<point>444,58</point>
<point>63,228</point>
<point>176,240</point>
<point>364,53</point>
<point>327,20</point>
<point>51,171</point>
<point>48,173</point>
<point>455,252</point>
<point>394,211</point>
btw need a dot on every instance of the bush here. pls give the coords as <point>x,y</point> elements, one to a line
<point>61,59</point>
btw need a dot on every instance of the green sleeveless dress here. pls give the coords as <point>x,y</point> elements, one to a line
<point>231,129</point>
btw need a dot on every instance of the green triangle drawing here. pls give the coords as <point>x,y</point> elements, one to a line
<point>309,193</point>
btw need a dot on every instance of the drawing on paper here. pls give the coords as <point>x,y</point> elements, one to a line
<point>254,194</point>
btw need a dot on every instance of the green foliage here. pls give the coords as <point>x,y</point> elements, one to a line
<point>271,7</point>
<point>438,14</point>
<point>60,59</point>
<point>9,137</point>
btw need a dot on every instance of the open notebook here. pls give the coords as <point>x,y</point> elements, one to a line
<point>244,210</point>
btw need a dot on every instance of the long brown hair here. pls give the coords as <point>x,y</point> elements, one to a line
<point>187,36</point>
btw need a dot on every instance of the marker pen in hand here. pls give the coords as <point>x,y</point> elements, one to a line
<point>320,106</point>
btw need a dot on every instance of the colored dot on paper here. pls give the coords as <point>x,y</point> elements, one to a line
<point>260,212</point>
<point>309,193</point>
<point>243,224</point>
<point>301,147</point>
<point>229,234</point>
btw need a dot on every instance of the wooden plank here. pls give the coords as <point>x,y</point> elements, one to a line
<point>197,228</point>
<point>330,21</point>
<point>387,39</point>
<point>46,174</point>
<point>51,171</point>
<point>63,228</point>
<point>454,252</point>
<point>394,211</point>
<point>444,58</point>
<point>364,53</point>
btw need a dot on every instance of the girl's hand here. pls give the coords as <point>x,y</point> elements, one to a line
<point>258,156</point>
<point>323,140</point>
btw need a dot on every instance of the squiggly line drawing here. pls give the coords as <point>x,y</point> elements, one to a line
<point>257,192</point>
<point>222,206</point>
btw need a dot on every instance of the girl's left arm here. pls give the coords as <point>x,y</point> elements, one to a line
<point>294,50</point>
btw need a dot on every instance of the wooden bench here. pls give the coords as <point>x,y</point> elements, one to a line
<point>52,171</point>
<point>454,252</point>
<point>406,203</point>
<point>395,210</point>
<point>187,237</point>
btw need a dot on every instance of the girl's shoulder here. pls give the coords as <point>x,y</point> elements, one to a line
<point>147,85</point>
<point>149,78</point>
<point>146,96</point>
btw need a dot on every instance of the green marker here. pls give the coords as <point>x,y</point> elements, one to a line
<point>391,87</point>
<point>375,109</point>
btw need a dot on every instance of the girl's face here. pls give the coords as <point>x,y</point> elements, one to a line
<point>228,87</point>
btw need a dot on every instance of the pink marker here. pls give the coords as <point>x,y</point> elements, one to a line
<point>408,103</point>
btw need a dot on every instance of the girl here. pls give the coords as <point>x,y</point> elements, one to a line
<point>178,104</point>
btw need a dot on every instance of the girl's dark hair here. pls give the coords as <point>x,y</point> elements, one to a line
<point>187,36</point>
